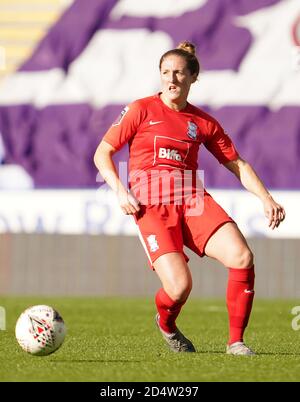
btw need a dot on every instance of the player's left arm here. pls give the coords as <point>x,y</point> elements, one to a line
<point>250,180</point>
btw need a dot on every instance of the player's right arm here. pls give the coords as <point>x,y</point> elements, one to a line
<point>105,164</point>
<point>119,134</point>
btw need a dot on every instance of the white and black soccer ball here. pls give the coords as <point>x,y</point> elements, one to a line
<point>40,330</point>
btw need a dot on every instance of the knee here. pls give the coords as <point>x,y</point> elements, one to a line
<point>180,296</point>
<point>242,257</point>
<point>180,292</point>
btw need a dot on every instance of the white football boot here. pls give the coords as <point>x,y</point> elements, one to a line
<point>239,349</point>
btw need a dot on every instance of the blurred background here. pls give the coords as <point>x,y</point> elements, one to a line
<point>67,68</point>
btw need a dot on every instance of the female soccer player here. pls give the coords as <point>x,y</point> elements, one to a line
<point>164,133</point>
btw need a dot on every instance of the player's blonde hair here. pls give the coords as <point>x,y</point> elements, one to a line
<point>186,50</point>
<point>187,46</point>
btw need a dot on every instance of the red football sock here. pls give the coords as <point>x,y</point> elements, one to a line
<point>240,294</point>
<point>168,311</point>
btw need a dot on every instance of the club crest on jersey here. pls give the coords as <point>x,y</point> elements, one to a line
<point>153,243</point>
<point>192,130</point>
<point>120,117</point>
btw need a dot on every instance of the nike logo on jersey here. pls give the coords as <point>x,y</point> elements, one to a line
<point>151,122</point>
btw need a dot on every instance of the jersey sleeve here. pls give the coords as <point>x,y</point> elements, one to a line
<point>125,126</point>
<point>221,145</point>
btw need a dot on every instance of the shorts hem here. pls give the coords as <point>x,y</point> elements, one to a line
<point>167,252</point>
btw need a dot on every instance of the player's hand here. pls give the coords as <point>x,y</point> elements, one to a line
<point>128,203</point>
<point>274,212</point>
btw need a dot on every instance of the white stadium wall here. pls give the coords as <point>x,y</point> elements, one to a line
<point>96,212</point>
<point>79,243</point>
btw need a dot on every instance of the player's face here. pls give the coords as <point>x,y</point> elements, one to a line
<point>176,79</point>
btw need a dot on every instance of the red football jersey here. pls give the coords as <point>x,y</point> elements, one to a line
<point>162,138</point>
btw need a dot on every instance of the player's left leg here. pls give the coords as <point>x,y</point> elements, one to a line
<point>229,246</point>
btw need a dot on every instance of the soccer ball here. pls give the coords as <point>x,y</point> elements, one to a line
<point>40,330</point>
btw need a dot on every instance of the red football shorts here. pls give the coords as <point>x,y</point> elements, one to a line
<point>167,228</point>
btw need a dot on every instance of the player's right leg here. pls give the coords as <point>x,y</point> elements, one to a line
<point>175,276</point>
<point>176,279</point>
<point>160,232</point>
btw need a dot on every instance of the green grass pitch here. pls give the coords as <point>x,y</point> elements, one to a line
<point>115,339</point>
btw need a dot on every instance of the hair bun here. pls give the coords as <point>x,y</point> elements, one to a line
<point>187,46</point>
